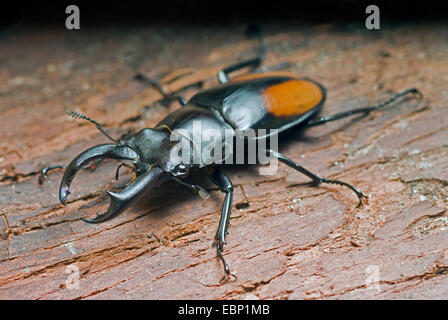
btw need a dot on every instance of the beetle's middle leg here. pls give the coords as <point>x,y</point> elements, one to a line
<point>43,173</point>
<point>316,179</point>
<point>223,181</point>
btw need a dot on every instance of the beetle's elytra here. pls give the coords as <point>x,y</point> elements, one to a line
<point>271,101</point>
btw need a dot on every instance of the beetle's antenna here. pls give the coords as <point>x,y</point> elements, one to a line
<point>77,115</point>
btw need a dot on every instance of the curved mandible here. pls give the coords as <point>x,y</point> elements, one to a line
<point>122,200</point>
<point>110,151</point>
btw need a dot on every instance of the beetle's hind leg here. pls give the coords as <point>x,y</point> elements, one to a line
<point>316,179</point>
<point>223,181</point>
<point>365,110</point>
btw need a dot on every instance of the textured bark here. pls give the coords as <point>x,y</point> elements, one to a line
<point>286,240</point>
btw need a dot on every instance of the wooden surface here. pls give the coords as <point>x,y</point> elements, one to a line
<point>287,240</point>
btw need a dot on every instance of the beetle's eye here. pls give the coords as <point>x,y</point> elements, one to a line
<point>181,170</point>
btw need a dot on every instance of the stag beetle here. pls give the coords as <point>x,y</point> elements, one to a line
<point>272,101</point>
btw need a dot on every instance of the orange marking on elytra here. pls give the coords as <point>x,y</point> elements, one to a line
<point>292,97</point>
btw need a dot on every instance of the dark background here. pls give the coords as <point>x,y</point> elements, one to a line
<point>216,11</point>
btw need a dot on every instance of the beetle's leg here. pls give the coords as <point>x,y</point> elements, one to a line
<point>117,172</point>
<point>223,181</point>
<point>43,173</point>
<point>201,191</point>
<point>316,179</point>
<point>154,83</point>
<point>365,110</point>
<point>223,75</point>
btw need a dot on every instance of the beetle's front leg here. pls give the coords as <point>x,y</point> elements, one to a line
<point>223,181</point>
<point>43,174</point>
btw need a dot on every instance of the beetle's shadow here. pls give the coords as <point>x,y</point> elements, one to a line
<point>172,194</point>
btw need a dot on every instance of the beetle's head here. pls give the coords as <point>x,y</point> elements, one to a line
<point>149,150</point>
<point>155,147</point>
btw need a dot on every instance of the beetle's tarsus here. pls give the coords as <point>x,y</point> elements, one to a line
<point>417,92</point>
<point>362,198</point>
<point>219,178</point>
<point>364,110</point>
<point>219,243</point>
<point>77,115</point>
<point>43,173</point>
<point>358,192</point>
<point>316,180</point>
<point>396,96</point>
<point>228,276</point>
